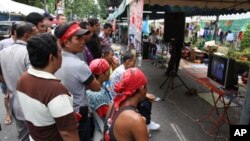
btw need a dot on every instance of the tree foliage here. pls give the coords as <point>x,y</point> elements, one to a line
<point>245,43</point>
<point>81,8</point>
<point>37,3</point>
<point>103,11</point>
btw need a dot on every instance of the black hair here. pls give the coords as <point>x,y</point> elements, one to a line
<point>128,55</point>
<point>13,28</point>
<point>93,21</point>
<point>48,16</point>
<point>22,28</point>
<point>35,18</point>
<point>84,24</point>
<point>59,15</point>
<point>39,49</point>
<point>106,51</point>
<point>96,76</point>
<point>57,33</point>
<point>107,25</point>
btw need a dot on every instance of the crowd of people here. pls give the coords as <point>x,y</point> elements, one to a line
<point>53,77</point>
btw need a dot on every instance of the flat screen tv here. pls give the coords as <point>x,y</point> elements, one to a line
<point>222,70</point>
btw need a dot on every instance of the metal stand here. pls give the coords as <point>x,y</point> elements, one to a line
<point>171,76</point>
<point>170,83</point>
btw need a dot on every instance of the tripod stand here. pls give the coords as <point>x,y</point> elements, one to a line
<point>172,73</point>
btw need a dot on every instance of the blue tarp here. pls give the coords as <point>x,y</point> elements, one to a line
<point>145,27</point>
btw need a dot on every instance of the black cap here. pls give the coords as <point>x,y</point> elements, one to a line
<point>61,29</point>
<point>48,16</point>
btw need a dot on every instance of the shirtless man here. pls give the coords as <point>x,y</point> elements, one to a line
<point>124,122</point>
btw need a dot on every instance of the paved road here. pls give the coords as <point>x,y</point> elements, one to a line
<point>8,132</point>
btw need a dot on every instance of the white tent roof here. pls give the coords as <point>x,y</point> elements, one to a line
<point>235,16</point>
<point>10,6</point>
<point>221,17</point>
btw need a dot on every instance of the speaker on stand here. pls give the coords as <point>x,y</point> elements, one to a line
<point>174,29</point>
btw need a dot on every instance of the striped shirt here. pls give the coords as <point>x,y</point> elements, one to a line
<point>105,41</point>
<point>46,104</point>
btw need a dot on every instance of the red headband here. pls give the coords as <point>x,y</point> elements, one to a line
<point>70,32</point>
<point>99,66</point>
<point>131,80</point>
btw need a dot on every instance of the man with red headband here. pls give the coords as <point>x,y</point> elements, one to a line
<point>75,73</point>
<point>144,107</point>
<point>124,122</point>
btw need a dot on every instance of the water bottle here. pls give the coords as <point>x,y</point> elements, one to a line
<point>139,60</point>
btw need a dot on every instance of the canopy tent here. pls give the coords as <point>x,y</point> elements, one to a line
<point>209,4</point>
<point>238,16</point>
<point>8,6</point>
<point>196,7</point>
<point>155,9</point>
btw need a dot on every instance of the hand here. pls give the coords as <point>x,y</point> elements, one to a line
<point>150,97</point>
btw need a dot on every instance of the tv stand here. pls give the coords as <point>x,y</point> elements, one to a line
<point>223,115</point>
<point>217,85</point>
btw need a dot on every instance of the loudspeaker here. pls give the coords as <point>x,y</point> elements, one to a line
<point>174,26</point>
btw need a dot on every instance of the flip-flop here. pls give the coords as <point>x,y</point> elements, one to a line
<point>7,122</point>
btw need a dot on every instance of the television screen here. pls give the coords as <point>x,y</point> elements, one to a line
<point>218,69</point>
<point>221,70</point>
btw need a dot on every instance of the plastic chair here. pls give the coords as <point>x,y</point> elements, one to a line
<point>98,133</point>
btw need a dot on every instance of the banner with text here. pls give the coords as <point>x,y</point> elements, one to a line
<point>135,24</point>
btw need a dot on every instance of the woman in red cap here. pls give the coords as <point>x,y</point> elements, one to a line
<point>123,121</point>
<point>100,101</point>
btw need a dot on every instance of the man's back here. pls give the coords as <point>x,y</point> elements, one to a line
<point>125,124</point>
<point>45,96</point>
<point>14,61</point>
<point>134,129</point>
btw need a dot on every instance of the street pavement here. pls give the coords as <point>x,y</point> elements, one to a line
<point>8,132</point>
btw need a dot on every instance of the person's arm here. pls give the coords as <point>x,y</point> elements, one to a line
<point>88,79</point>
<point>150,97</point>
<point>92,84</point>
<point>61,110</point>
<point>70,135</point>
